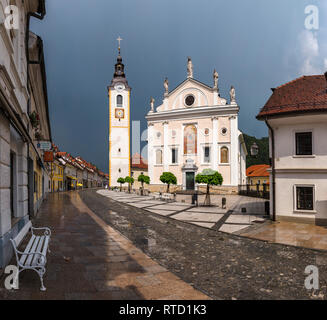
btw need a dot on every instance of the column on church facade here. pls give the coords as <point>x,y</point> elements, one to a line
<point>150,151</point>
<point>234,150</point>
<point>214,157</point>
<point>166,146</point>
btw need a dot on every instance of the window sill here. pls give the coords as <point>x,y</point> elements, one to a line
<point>224,164</point>
<point>304,156</point>
<point>174,164</point>
<point>305,211</point>
<point>206,164</point>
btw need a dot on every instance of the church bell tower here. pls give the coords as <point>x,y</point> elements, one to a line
<point>119,124</point>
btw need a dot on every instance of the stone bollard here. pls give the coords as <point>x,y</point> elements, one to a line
<point>223,203</point>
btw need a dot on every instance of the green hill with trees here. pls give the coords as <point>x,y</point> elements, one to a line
<point>263,156</point>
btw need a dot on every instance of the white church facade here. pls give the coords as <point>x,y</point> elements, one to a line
<point>195,129</point>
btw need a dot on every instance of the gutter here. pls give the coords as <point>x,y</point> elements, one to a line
<point>273,170</point>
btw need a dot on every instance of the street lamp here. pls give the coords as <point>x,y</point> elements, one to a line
<point>254,150</point>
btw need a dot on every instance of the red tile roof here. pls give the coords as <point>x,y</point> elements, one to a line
<point>305,94</point>
<point>258,170</point>
<point>138,162</point>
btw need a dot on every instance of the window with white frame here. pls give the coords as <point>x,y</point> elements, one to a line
<point>206,154</point>
<point>174,155</point>
<point>304,197</point>
<point>303,143</point>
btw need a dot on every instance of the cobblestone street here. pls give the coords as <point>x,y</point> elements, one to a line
<point>104,249</point>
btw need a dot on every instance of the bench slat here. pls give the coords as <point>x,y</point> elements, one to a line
<point>29,259</point>
<point>39,248</point>
<point>46,244</point>
<point>22,233</point>
<point>27,249</point>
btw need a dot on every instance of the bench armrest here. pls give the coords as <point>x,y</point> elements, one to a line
<point>47,231</point>
<point>41,256</point>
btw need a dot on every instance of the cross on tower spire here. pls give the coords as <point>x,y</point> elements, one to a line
<point>119,39</point>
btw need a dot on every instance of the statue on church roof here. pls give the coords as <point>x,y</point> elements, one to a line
<point>232,95</point>
<point>189,68</point>
<point>166,86</point>
<point>215,79</point>
<point>152,104</point>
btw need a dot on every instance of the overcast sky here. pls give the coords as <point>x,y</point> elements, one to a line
<point>255,45</point>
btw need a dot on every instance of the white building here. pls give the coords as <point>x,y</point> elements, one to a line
<point>119,125</point>
<point>296,115</point>
<point>23,178</point>
<point>195,129</point>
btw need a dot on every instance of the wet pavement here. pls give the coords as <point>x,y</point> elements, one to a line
<point>224,266</point>
<point>90,260</point>
<point>157,257</point>
<point>296,234</point>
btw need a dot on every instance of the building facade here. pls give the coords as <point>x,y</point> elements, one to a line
<point>119,125</point>
<point>296,115</point>
<point>196,129</point>
<point>23,119</point>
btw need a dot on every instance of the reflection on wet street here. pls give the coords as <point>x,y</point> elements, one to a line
<point>91,260</point>
<point>224,266</point>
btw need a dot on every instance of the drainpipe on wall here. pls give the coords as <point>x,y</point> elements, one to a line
<point>272,170</point>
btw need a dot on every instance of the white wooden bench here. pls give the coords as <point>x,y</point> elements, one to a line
<point>34,255</point>
<point>167,197</point>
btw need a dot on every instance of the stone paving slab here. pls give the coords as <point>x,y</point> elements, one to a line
<point>91,260</point>
<point>162,212</point>
<point>195,216</point>
<point>231,228</point>
<point>201,216</point>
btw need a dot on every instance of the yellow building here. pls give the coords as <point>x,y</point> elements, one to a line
<point>57,176</point>
<point>258,177</point>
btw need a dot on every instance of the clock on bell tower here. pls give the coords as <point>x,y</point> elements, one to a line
<point>119,124</point>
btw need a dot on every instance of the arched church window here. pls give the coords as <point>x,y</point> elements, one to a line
<point>158,156</point>
<point>224,155</point>
<point>119,100</point>
<point>190,139</point>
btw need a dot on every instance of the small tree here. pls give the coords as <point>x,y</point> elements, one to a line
<point>143,179</point>
<point>168,178</point>
<point>121,181</point>
<point>210,178</point>
<point>130,181</point>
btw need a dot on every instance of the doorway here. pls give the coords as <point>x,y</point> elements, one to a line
<point>190,184</point>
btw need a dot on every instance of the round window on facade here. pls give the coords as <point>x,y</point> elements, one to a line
<point>189,100</point>
<point>206,131</point>
<point>158,134</point>
<point>224,131</point>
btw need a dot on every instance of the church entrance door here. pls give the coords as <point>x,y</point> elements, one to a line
<point>190,184</point>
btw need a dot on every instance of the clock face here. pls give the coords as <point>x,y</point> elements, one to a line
<point>119,87</point>
<point>119,113</point>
